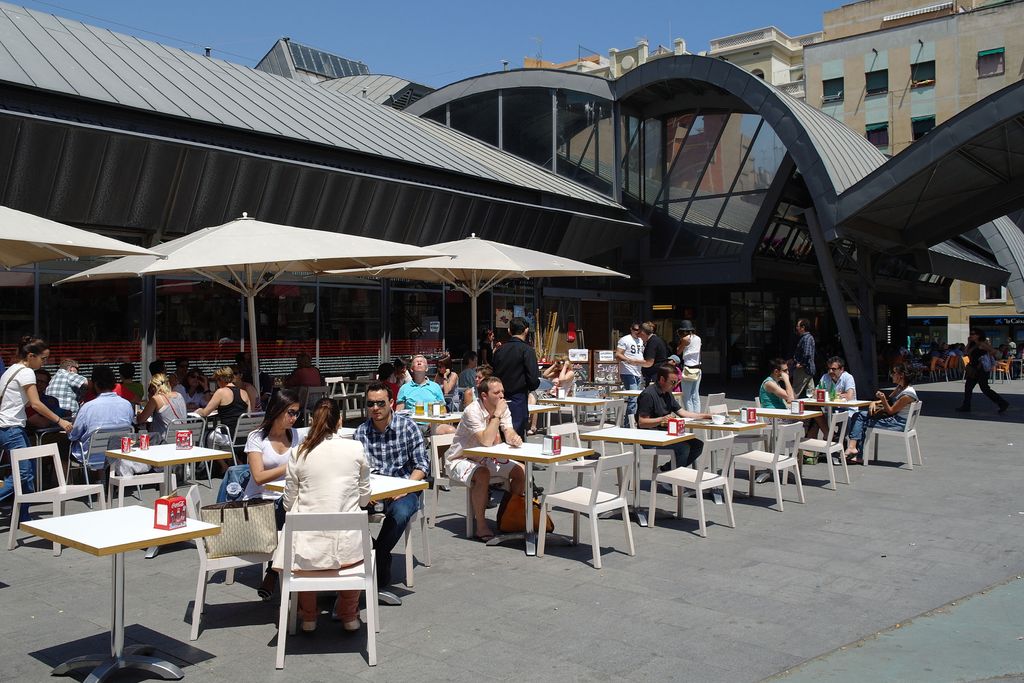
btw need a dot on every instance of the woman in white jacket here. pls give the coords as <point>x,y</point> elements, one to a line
<point>326,474</point>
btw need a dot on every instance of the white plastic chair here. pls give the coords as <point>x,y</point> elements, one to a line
<point>713,400</point>
<point>209,566</point>
<point>360,577</point>
<point>418,516</point>
<point>908,434</point>
<point>196,425</point>
<point>247,423</point>
<point>436,442</point>
<point>308,397</point>
<point>699,479</point>
<point>106,438</point>
<point>752,439</point>
<point>57,496</point>
<point>832,446</point>
<point>782,459</point>
<point>592,502</point>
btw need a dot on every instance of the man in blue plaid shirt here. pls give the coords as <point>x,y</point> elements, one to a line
<point>67,386</point>
<point>394,447</point>
<point>802,372</point>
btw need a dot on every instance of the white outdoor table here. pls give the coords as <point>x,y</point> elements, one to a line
<point>446,419</point>
<point>576,401</point>
<point>830,406</point>
<point>114,532</point>
<point>775,414</point>
<point>167,455</point>
<point>651,438</point>
<point>381,487</point>
<point>528,454</point>
<point>626,393</point>
<point>543,409</point>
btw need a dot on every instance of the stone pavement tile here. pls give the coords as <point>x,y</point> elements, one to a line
<point>677,666</point>
<point>413,666</point>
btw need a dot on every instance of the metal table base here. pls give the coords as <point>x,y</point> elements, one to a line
<point>120,657</point>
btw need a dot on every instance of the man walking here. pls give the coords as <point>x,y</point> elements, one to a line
<point>515,364</point>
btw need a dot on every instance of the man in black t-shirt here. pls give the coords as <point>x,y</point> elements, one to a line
<point>515,364</point>
<point>655,352</point>
<point>656,405</point>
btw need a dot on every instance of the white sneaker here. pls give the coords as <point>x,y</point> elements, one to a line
<point>353,625</point>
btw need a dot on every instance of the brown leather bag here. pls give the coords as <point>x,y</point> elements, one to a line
<point>512,515</point>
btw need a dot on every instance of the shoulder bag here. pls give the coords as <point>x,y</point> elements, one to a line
<point>691,374</point>
<point>246,527</point>
<point>512,515</point>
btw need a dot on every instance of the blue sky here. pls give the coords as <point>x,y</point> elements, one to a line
<point>437,42</point>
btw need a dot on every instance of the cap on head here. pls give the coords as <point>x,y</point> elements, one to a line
<point>686,326</point>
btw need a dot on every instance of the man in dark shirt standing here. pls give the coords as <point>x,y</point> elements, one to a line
<point>655,352</point>
<point>802,372</point>
<point>515,364</point>
<point>656,405</point>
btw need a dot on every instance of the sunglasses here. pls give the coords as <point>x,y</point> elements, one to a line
<point>836,369</point>
<point>293,413</point>
<point>376,404</point>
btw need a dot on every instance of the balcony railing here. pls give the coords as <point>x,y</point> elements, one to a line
<point>769,33</point>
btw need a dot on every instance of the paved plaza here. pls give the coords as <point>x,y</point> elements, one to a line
<point>744,604</point>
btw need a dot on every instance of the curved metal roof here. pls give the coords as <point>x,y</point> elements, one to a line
<point>965,172</point>
<point>60,55</point>
<point>830,156</point>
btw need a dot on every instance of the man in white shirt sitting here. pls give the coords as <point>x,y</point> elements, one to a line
<point>483,423</point>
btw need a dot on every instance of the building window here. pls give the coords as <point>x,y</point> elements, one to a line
<point>991,62</point>
<point>922,74</point>
<point>832,90</point>
<point>877,82</point>
<point>992,295</point>
<point>878,134</point>
<point>758,73</point>
<point>920,125</point>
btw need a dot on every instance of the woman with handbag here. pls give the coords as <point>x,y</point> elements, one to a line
<point>268,450</point>
<point>688,350</point>
<point>979,365</point>
<point>17,391</point>
<point>888,412</point>
<point>326,474</point>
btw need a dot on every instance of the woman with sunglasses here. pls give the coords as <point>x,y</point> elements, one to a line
<point>268,449</point>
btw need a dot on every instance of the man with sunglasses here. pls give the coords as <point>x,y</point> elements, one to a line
<point>629,351</point>
<point>836,380</point>
<point>394,447</point>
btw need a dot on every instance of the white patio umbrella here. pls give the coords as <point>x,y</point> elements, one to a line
<point>26,238</point>
<point>246,255</point>
<point>478,265</point>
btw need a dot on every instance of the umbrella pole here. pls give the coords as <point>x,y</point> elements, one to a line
<point>250,300</point>
<point>472,321</point>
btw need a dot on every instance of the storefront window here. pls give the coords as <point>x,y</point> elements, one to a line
<point>285,325</point>
<point>92,322</point>
<point>416,319</point>
<point>349,329</point>
<point>476,115</point>
<point>198,320</point>
<point>16,297</point>
<point>585,143</point>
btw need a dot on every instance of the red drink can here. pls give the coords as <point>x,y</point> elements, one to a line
<point>126,444</point>
<point>183,439</point>
<point>144,441</point>
<point>801,406</point>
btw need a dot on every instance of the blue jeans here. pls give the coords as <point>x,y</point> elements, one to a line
<point>691,396</point>
<point>630,382</point>
<point>11,438</point>
<point>860,423</point>
<point>397,514</point>
<point>519,407</point>
<point>687,452</point>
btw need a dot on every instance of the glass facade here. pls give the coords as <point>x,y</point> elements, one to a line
<point>526,124</point>
<point>476,115</point>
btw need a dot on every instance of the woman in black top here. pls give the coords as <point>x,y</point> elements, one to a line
<point>229,401</point>
<point>975,373</point>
